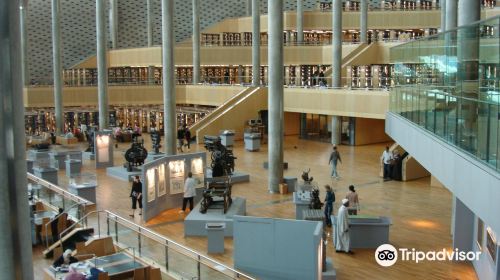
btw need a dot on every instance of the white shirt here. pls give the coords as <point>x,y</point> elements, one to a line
<point>386,157</point>
<point>189,185</point>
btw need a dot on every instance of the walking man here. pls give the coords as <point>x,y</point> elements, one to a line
<point>386,159</point>
<point>136,195</point>
<point>334,158</point>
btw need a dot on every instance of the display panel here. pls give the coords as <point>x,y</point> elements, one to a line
<point>176,176</point>
<point>198,171</point>
<point>102,142</point>
<point>491,243</point>
<point>162,188</point>
<point>150,184</point>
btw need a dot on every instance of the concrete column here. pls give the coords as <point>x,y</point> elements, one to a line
<point>24,42</point>
<point>442,4</point>
<point>57,66</point>
<point>255,43</point>
<point>300,21</point>
<point>102,69</point>
<point>113,23</point>
<point>288,37</point>
<point>337,43</point>
<point>364,22</point>
<point>15,234</point>
<point>248,7</point>
<point>149,28</point>
<point>336,130</point>
<point>169,117</point>
<point>196,41</point>
<point>241,74</point>
<point>451,14</point>
<point>275,95</point>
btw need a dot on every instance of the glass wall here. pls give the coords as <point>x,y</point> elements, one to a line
<point>449,84</point>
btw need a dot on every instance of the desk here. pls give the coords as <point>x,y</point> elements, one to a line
<point>367,232</point>
<point>116,265</point>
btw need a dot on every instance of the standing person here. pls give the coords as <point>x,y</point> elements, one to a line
<point>136,195</point>
<point>189,192</point>
<point>187,136</point>
<point>334,158</point>
<point>397,166</point>
<point>329,200</point>
<point>386,159</point>
<point>352,196</point>
<point>342,238</point>
<point>180,139</point>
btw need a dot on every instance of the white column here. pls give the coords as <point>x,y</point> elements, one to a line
<point>337,43</point>
<point>57,66</point>
<point>275,95</point>
<point>24,42</point>
<point>336,130</point>
<point>255,43</point>
<point>300,21</point>
<point>15,233</point>
<point>113,23</point>
<point>442,4</point>
<point>364,22</point>
<point>149,27</point>
<point>196,41</point>
<point>169,116</point>
<point>102,69</point>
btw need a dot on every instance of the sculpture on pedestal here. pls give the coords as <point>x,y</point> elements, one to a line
<point>156,140</point>
<point>217,195</point>
<point>222,157</point>
<point>136,155</point>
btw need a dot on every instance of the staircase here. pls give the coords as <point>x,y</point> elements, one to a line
<point>233,114</point>
<point>70,239</point>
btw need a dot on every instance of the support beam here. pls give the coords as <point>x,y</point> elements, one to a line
<point>275,95</point>
<point>337,43</point>
<point>255,43</point>
<point>113,23</point>
<point>300,21</point>
<point>24,42</point>
<point>149,28</point>
<point>57,66</point>
<point>336,130</point>
<point>451,14</point>
<point>15,233</point>
<point>364,22</point>
<point>196,41</point>
<point>443,15</point>
<point>169,117</point>
<point>102,69</point>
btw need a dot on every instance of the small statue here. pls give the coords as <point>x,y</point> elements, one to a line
<point>156,140</point>
<point>315,201</point>
<point>305,176</point>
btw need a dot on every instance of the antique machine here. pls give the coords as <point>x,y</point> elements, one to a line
<point>315,201</point>
<point>217,195</point>
<point>306,178</point>
<point>222,158</point>
<point>136,155</point>
<point>156,140</point>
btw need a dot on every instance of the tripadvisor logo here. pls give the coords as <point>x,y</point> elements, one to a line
<point>387,255</point>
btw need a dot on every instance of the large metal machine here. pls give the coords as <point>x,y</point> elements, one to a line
<point>136,155</point>
<point>222,157</point>
<point>156,141</point>
<point>217,195</point>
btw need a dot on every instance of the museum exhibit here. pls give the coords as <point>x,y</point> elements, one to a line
<point>250,139</point>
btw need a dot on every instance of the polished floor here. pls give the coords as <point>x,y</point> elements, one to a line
<point>421,214</point>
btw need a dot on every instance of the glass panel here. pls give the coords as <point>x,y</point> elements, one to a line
<point>183,266</point>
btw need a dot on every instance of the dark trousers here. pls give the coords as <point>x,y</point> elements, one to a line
<point>188,143</point>
<point>134,203</point>
<point>328,213</point>
<point>387,171</point>
<point>184,202</point>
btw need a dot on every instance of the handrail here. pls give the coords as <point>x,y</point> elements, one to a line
<point>160,238</point>
<point>56,218</point>
<point>59,190</point>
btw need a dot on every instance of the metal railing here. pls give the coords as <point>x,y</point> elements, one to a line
<point>170,256</point>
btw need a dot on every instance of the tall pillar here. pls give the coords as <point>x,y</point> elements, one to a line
<point>24,42</point>
<point>15,234</point>
<point>167,34</point>
<point>336,130</point>
<point>451,14</point>
<point>364,22</point>
<point>149,27</point>
<point>300,21</point>
<point>57,66</point>
<point>113,23</point>
<point>337,43</point>
<point>442,4</point>
<point>196,41</point>
<point>248,7</point>
<point>255,43</point>
<point>275,95</point>
<point>102,69</point>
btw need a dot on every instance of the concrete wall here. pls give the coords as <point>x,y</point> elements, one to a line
<point>277,249</point>
<point>370,131</point>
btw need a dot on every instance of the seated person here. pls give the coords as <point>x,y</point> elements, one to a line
<point>65,259</point>
<point>94,274</point>
<point>74,275</point>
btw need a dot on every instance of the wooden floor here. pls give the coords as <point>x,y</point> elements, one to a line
<point>421,214</point>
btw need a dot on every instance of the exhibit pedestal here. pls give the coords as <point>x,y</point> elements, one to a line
<point>291,182</point>
<point>330,273</point>
<point>73,167</point>
<point>300,206</point>
<point>195,223</point>
<point>252,141</point>
<point>48,174</point>
<point>37,155</point>
<point>75,155</point>
<point>215,234</point>
<point>366,232</point>
<point>152,156</point>
<point>87,191</point>
<point>237,177</point>
<point>59,158</point>
<point>227,138</point>
<point>121,173</point>
<point>88,155</point>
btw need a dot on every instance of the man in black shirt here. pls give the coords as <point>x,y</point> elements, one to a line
<point>180,139</point>
<point>136,195</point>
